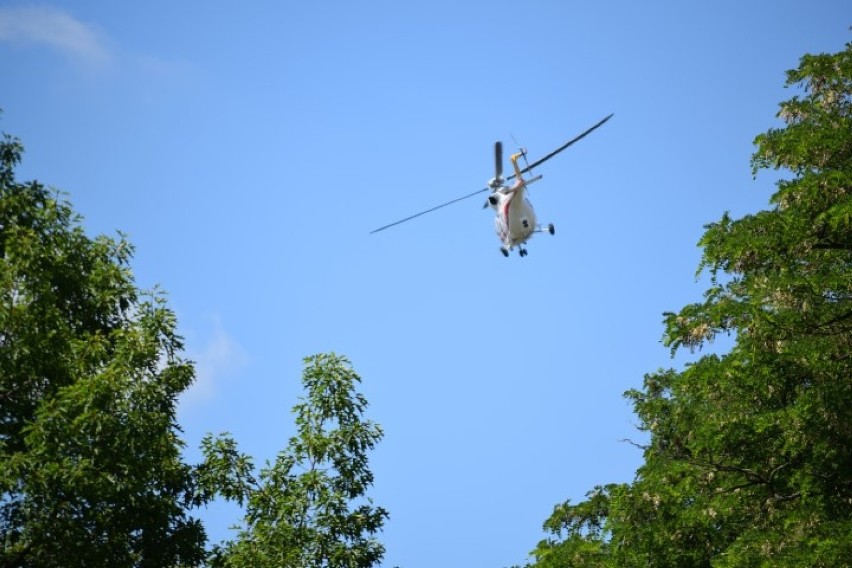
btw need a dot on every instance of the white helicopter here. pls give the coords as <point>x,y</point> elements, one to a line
<point>515,219</point>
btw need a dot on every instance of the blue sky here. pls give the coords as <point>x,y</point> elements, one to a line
<point>247,149</point>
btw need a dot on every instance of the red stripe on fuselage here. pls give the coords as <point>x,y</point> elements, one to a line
<point>506,205</point>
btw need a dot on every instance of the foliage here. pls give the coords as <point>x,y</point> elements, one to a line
<point>308,507</point>
<point>750,455</point>
<point>91,471</point>
<point>580,536</point>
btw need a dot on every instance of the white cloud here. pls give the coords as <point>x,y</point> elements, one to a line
<point>55,28</point>
<point>218,359</point>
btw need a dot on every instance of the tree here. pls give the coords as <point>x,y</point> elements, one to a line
<point>91,471</point>
<point>308,507</point>
<point>580,535</point>
<point>749,461</point>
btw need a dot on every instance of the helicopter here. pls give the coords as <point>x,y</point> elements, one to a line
<point>515,220</point>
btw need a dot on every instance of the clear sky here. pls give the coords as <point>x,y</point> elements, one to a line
<point>248,148</point>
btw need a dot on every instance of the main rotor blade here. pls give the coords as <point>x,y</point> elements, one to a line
<point>498,159</point>
<point>575,139</point>
<point>498,150</point>
<point>430,210</point>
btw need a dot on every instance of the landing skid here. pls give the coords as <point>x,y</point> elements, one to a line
<point>549,229</point>
<point>521,250</point>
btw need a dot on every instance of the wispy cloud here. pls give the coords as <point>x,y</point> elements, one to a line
<point>219,358</point>
<point>54,28</point>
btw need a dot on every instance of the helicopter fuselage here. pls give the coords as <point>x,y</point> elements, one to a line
<point>515,219</point>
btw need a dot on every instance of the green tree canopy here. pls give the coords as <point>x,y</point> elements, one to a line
<point>90,459</point>
<point>308,507</point>
<point>91,472</point>
<point>749,461</point>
